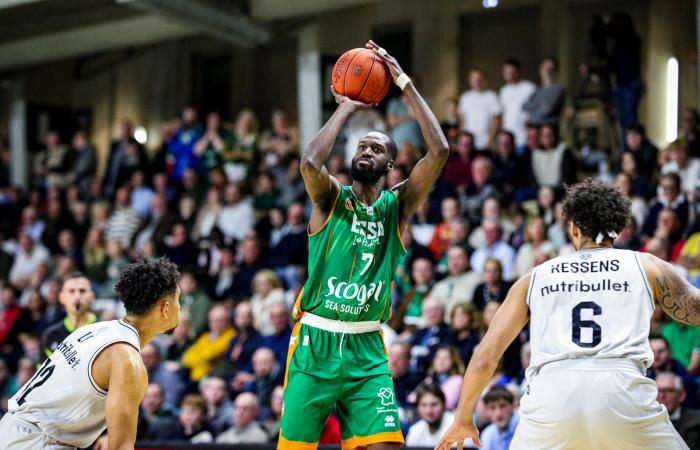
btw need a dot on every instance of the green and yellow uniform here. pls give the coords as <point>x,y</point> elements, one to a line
<point>352,259</point>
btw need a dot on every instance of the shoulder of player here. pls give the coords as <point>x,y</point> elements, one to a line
<point>121,357</point>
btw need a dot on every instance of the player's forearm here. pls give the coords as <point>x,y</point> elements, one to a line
<point>480,370</point>
<point>435,139</point>
<point>320,147</point>
<point>678,298</point>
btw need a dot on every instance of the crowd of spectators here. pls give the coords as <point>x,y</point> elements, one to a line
<point>226,202</point>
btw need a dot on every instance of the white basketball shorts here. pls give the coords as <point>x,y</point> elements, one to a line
<point>18,434</point>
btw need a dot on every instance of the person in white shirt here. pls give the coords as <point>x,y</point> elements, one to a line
<point>459,285</point>
<point>29,255</point>
<point>480,110</point>
<point>513,95</point>
<point>434,419</point>
<point>238,216</point>
<point>494,248</point>
<point>686,167</point>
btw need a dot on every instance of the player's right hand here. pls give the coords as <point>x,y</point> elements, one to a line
<point>354,104</point>
<point>456,434</point>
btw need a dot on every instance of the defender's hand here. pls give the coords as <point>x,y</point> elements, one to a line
<point>394,67</point>
<point>354,105</point>
<point>456,434</point>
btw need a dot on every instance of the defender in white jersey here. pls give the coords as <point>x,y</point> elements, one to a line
<point>589,318</point>
<point>95,379</point>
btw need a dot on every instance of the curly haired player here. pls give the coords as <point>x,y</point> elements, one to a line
<point>95,379</point>
<point>589,318</point>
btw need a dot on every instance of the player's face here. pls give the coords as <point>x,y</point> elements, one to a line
<point>372,158</point>
<point>76,296</point>
<point>501,412</point>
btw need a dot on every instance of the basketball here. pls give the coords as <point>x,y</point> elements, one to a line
<point>361,75</point>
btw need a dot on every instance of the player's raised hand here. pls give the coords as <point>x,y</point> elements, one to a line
<point>394,67</point>
<point>456,434</point>
<point>356,105</point>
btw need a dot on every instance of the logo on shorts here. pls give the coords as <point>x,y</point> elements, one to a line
<point>386,396</point>
<point>389,422</point>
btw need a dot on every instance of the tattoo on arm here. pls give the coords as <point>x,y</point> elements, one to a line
<point>676,296</point>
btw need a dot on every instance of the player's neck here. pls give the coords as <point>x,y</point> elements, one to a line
<point>146,329</point>
<point>367,193</point>
<point>80,320</point>
<point>590,245</point>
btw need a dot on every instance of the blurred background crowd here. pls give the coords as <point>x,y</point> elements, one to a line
<point>223,198</point>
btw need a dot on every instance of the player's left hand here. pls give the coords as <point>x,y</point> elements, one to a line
<point>394,67</point>
<point>101,443</point>
<point>353,104</point>
<point>456,434</point>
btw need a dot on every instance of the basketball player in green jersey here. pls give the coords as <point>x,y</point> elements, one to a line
<point>336,355</point>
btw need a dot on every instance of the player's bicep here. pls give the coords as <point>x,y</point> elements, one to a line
<point>127,387</point>
<point>509,320</point>
<point>672,292</point>
<point>319,184</point>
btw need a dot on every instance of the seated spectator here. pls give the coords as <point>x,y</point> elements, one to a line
<point>510,171</point>
<point>639,207</point>
<point>272,424</point>
<point>450,121</point>
<point>553,164</point>
<point>458,169</point>
<point>207,215</point>
<point>491,209</point>
<point>280,141</point>
<point>195,303</point>
<point>178,247</point>
<point>116,262</point>
<point>289,175</point>
<point>141,194</point>
<point>641,149</point>
<point>209,147</point>
<point>495,248</point>
<point>546,103</point>
<point>504,419</point>
<point>267,291</point>
<point>173,386</point>
<point>669,229</point>
<point>536,244</point>
<point>434,420</point>
<point>684,342</point>
<point>628,239</point>
<point>31,224</point>
<point>672,395</point>
<point>459,285</point>
<point>447,371</point>
<point>428,339</point>
<point>404,380</point>
<point>237,217</point>
<point>181,340</point>
<point>687,168</point>
<point>246,429</point>
<point>690,258</point>
<point>509,366</point>
<point>465,326</point>
<point>641,184</point>
<point>29,255</point>
<point>124,154</point>
<point>221,281</point>
<point>664,362</point>
<point>409,311</point>
<point>288,246</point>
<point>76,296</point>
<point>202,356</point>
<point>670,197</point>
<point>459,236</point>
<point>181,145</point>
<point>266,374</point>
<point>219,406</point>
<point>690,127</point>
<point>481,188</point>
<point>191,426</point>
<point>154,406</point>
<point>12,321</point>
<point>238,357</point>
<point>251,262</point>
<point>442,234</point>
<point>68,248</point>
<point>26,369</point>
<point>480,110</point>
<point>278,340</point>
<point>124,220</point>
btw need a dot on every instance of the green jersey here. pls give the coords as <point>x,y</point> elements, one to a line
<point>352,260</point>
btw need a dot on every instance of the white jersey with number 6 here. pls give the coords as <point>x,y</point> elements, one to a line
<point>62,399</point>
<point>590,304</point>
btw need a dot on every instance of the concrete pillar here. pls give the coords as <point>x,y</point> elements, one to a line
<point>309,83</point>
<point>19,170</point>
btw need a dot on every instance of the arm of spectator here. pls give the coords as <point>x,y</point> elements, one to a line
<point>420,181</point>
<point>505,326</point>
<point>672,292</point>
<point>201,146</point>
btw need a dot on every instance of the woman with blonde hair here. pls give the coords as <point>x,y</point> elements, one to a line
<point>445,371</point>
<point>536,244</point>
<point>240,153</point>
<point>465,325</point>
<point>267,291</point>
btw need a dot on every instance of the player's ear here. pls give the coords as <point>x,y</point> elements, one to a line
<point>165,309</point>
<point>389,166</point>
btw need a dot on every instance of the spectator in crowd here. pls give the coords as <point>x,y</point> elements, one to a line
<point>434,419</point>
<point>245,429</point>
<point>119,156</point>
<point>201,357</point>
<point>278,339</point>
<point>237,217</point>
<point>267,289</point>
<point>687,168</point>
<point>154,407</point>
<point>536,244</point>
<point>141,194</point>
<point>491,209</point>
<point>403,126</point>
<point>171,383</point>
<point>669,196</point>
<point>442,234</point>
<point>272,424</point>
<point>76,296</point>
<point>238,357</point>
<point>404,380</point>
<point>181,145</point>
<point>690,258</point>
<point>510,170</point>
<point>626,65</point>
<point>545,105</point>
<point>499,434</point>
<point>11,317</point>
<point>426,340</point>
<point>465,327</point>
<point>639,207</point>
<point>641,148</point>
<point>447,371</point>
<point>669,229</point>
<point>195,303</point>
<point>460,282</point>
<point>684,342</point>
<point>116,262</point>
<point>124,220</point>
<point>219,407</point>
<point>266,374</point>
<point>29,255</point>
<point>155,227</point>
<point>241,152</point>
<point>458,169</point>
<point>178,248</point>
<point>664,362</point>
<point>671,395</point>
<point>690,130</point>
<point>280,141</point>
<point>494,288</point>
<point>191,426</point>
<point>207,215</point>
<point>553,164</point>
<point>450,123</point>
<point>84,164</point>
<point>496,248</point>
<point>213,141</point>
<point>288,246</point>
<point>480,110</point>
<point>409,312</point>
<point>53,164</point>
<point>31,224</point>
<point>513,95</point>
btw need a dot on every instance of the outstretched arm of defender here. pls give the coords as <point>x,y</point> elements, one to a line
<point>678,298</point>
<point>419,184</point>
<point>510,318</point>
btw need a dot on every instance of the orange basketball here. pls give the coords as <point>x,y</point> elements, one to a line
<point>361,75</point>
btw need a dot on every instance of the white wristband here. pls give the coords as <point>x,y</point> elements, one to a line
<point>402,81</point>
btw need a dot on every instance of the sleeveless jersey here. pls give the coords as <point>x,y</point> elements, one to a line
<point>62,398</point>
<point>352,259</point>
<point>590,304</point>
